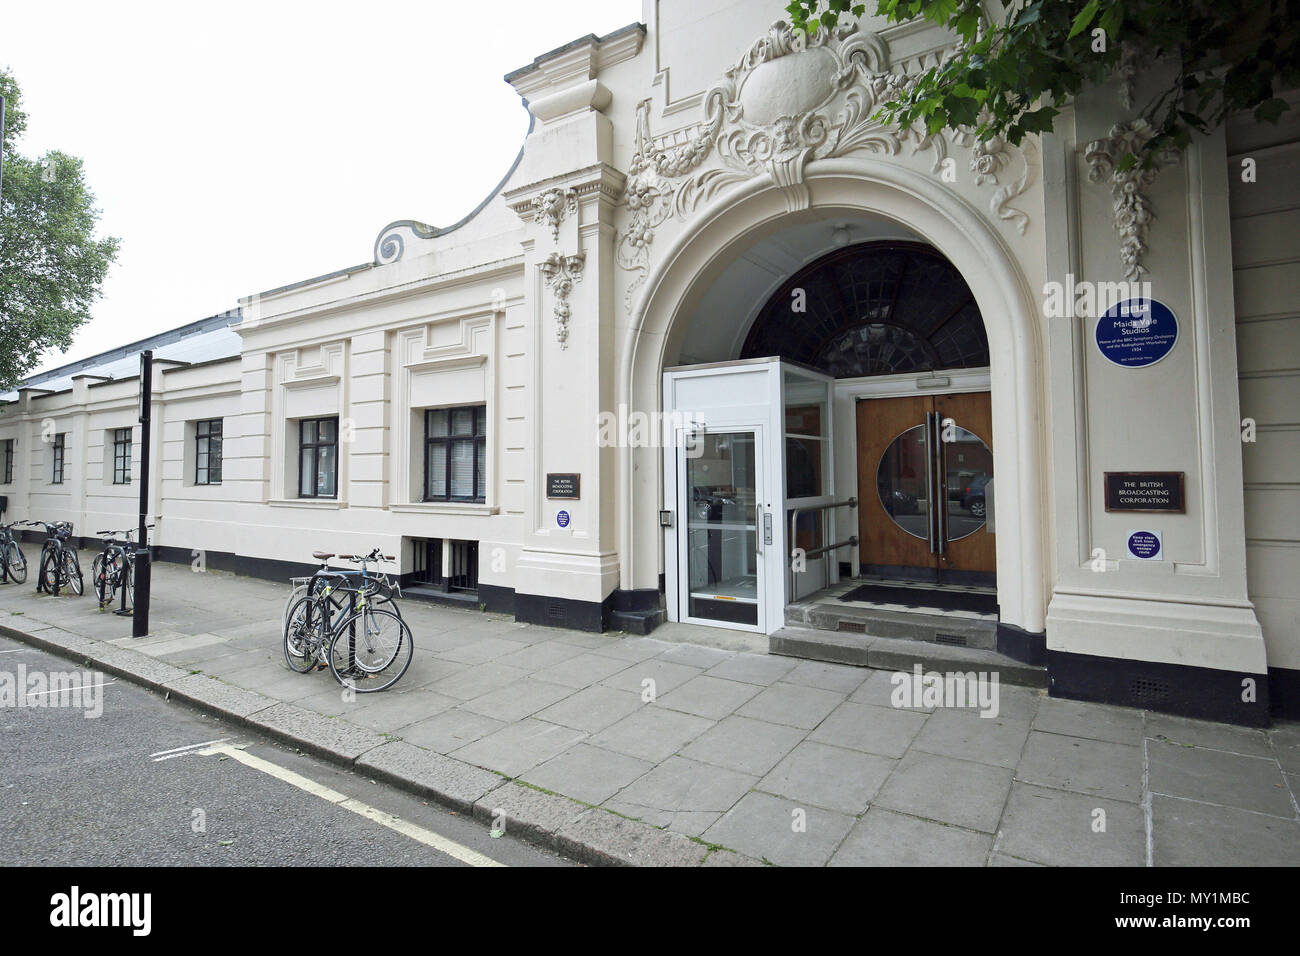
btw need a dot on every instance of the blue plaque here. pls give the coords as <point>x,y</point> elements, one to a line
<point>1136,333</point>
<point>1146,545</point>
<point>562,519</point>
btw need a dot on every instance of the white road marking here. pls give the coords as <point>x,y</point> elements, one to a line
<point>66,690</point>
<point>19,650</point>
<point>418,833</point>
<point>184,751</point>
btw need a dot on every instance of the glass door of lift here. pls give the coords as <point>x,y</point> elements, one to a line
<point>727,527</point>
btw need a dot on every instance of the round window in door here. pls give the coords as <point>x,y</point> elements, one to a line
<point>902,483</point>
<point>969,470</point>
<point>909,491</point>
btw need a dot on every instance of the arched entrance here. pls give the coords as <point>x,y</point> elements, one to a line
<point>883,318</point>
<point>685,270</point>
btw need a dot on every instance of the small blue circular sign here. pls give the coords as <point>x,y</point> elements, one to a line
<point>1137,332</point>
<point>1143,544</point>
<point>562,519</point>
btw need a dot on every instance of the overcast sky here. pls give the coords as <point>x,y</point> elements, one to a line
<point>241,146</point>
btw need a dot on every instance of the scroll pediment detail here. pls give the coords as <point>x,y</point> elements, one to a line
<point>791,99</point>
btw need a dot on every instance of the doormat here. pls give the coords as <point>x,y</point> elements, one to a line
<point>927,598</point>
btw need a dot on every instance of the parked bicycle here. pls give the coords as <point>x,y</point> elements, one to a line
<point>113,569</point>
<point>337,624</point>
<point>13,563</point>
<point>382,589</point>
<point>59,566</point>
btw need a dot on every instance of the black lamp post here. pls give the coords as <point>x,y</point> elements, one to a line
<point>140,619</point>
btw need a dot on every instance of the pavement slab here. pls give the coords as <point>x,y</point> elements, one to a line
<point>1092,767</point>
<point>744,744</point>
<point>1059,828</point>
<point>780,830</point>
<point>587,773</point>
<point>830,777</point>
<point>1188,833</point>
<point>959,792</point>
<point>520,746</point>
<point>885,838</point>
<point>1219,777</point>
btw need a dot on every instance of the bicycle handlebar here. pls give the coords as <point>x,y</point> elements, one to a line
<point>375,555</point>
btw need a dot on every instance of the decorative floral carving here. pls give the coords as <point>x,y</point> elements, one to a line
<point>550,207</point>
<point>1128,187</point>
<point>790,100</point>
<point>988,160</point>
<point>561,272</point>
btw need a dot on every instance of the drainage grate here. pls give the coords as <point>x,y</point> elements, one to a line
<point>852,627</point>
<point>952,640</point>
<point>1144,689</point>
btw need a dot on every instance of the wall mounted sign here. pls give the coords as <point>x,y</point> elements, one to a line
<point>1145,545</point>
<point>1136,333</point>
<point>562,519</point>
<point>563,486</point>
<point>1145,491</point>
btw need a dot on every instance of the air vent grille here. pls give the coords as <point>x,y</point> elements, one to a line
<point>1147,689</point>
<point>556,611</point>
<point>852,627</point>
<point>952,640</point>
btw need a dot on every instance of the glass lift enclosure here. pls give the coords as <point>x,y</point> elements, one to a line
<point>748,445</point>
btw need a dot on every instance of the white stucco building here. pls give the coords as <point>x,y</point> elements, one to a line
<point>706,228</point>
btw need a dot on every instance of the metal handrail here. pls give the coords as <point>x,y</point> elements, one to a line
<point>824,549</point>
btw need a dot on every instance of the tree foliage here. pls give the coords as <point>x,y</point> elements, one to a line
<point>51,265</point>
<point>1009,79</point>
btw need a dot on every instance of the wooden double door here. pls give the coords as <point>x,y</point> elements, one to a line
<point>925,487</point>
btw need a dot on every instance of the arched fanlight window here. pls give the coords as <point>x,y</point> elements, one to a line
<point>877,308</point>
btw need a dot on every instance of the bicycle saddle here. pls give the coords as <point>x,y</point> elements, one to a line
<point>321,555</point>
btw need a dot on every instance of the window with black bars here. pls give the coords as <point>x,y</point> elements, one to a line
<point>121,456</point>
<point>8,452</point>
<point>455,454</point>
<point>207,452</point>
<point>318,458</point>
<point>56,474</point>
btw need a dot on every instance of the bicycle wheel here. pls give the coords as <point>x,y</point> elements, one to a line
<point>386,598</point>
<point>16,562</point>
<point>47,579</point>
<point>304,635</point>
<point>295,595</point>
<point>370,650</point>
<point>126,579</point>
<point>71,572</point>
<point>99,577</point>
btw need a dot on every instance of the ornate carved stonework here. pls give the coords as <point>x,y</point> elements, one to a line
<point>1132,208</point>
<point>550,207</point>
<point>561,272</point>
<point>789,101</point>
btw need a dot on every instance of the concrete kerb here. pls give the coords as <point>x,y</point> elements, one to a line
<point>589,834</point>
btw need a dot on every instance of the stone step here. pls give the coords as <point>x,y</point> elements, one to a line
<point>934,627</point>
<point>887,653</point>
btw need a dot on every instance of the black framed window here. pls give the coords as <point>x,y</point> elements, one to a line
<point>455,454</point>
<point>207,452</point>
<point>7,460</point>
<point>56,475</point>
<point>318,458</point>
<point>121,456</point>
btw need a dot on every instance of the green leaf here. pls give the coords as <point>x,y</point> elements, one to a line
<point>1083,19</point>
